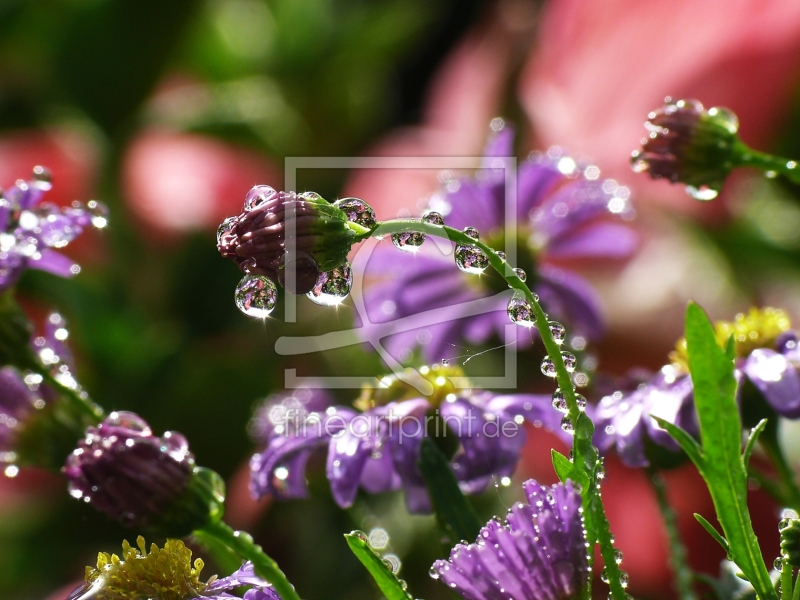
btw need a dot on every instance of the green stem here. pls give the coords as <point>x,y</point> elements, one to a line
<point>226,559</point>
<point>84,405</point>
<point>678,554</point>
<point>796,592</point>
<point>584,454</point>
<point>786,580</point>
<point>786,474</point>
<point>242,543</point>
<point>747,157</point>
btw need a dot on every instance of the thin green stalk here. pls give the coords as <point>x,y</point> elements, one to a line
<point>242,543</point>
<point>785,472</point>
<point>786,580</point>
<point>584,454</point>
<point>796,591</point>
<point>678,555</point>
<point>747,157</point>
<point>84,405</point>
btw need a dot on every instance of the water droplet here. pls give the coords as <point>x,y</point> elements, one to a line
<point>600,472</point>
<point>581,400</point>
<point>604,575</point>
<point>470,259</point>
<point>703,192</point>
<point>433,572</point>
<point>570,361</point>
<point>225,228</point>
<point>520,311</point>
<point>501,255</point>
<point>471,232</point>
<point>521,274</point>
<point>778,564</point>
<point>445,362</point>
<point>618,556</point>
<point>408,241</point>
<point>559,402</point>
<point>783,524</point>
<point>725,117</point>
<point>433,218</point>
<point>558,331</point>
<point>393,562</point>
<point>357,211</point>
<point>256,296</point>
<point>548,368</point>
<point>566,425</point>
<point>360,535</point>
<point>623,579</point>
<point>332,287</point>
<point>791,165</point>
<point>257,196</point>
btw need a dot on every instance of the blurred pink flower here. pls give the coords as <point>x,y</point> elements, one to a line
<point>600,66</point>
<point>179,182</point>
<point>465,94</point>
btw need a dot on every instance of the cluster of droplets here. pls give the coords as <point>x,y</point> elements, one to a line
<point>257,295</point>
<point>377,540</point>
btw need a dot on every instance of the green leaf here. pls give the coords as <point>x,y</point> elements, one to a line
<point>713,532</point>
<point>712,370</point>
<point>751,442</point>
<point>685,441</point>
<point>453,512</point>
<point>383,576</point>
<point>566,469</point>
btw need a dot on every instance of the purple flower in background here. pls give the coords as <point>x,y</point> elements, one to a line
<point>31,229</point>
<point>563,211</point>
<point>125,471</point>
<point>622,419</point>
<point>539,554</point>
<point>775,374</point>
<point>23,395</point>
<point>166,573</point>
<point>377,447</point>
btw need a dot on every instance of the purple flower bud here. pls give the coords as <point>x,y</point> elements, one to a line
<point>538,554</point>
<point>141,480</point>
<point>288,237</point>
<point>690,145</point>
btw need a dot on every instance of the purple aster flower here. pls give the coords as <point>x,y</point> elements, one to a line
<point>376,447</point>
<point>30,229</point>
<point>139,479</point>
<point>768,356</point>
<point>622,419</point>
<point>319,238</point>
<point>538,554</point>
<point>563,211</point>
<point>166,572</point>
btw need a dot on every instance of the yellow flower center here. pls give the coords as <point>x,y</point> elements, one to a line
<point>395,389</point>
<point>759,328</point>
<point>164,573</point>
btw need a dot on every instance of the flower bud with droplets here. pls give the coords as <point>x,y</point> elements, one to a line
<point>292,238</point>
<point>790,540</point>
<point>691,145</point>
<point>166,573</point>
<point>142,480</point>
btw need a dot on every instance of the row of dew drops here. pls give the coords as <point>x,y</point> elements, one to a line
<point>257,295</point>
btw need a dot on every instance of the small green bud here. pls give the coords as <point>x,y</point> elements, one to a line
<point>790,540</point>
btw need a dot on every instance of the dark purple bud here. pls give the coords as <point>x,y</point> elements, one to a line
<point>690,145</point>
<point>288,237</point>
<point>142,480</point>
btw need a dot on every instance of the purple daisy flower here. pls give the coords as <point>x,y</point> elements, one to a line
<point>30,229</point>
<point>563,212</point>
<point>166,572</point>
<point>622,419</point>
<point>539,554</point>
<point>377,447</point>
<point>768,356</point>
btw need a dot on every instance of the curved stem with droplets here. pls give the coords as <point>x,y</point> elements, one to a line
<point>242,543</point>
<point>747,157</point>
<point>584,455</point>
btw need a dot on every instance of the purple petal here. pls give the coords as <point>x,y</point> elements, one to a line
<point>776,378</point>
<point>570,296</point>
<point>53,262</point>
<point>405,436</point>
<point>347,455</point>
<point>607,240</point>
<point>535,181</point>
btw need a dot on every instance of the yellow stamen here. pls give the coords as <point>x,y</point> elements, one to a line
<point>396,390</point>
<point>759,328</point>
